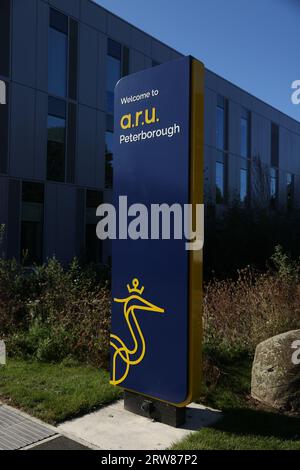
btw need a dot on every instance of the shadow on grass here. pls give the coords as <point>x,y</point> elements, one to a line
<point>199,418</point>
<point>242,426</point>
<point>259,423</point>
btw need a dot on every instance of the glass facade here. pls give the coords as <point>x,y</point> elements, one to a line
<point>273,186</point>
<point>114,72</point>
<point>222,146</point>
<point>243,185</point>
<point>68,159</point>
<point>109,159</point>
<point>32,220</point>
<point>220,183</point>
<point>4,129</point>
<point>113,76</point>
<point>57,63</point>
<point>222,123</point>
<point>220,132</point>
<point>290,190</point>
<point>245,137</point>
<point>245,153</point>
<point>5,33</point>
<point>274,145</point>
<point>56,148</point>
<point>117,67</point>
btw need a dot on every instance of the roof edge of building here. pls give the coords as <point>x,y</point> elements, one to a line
<point>211,71</point>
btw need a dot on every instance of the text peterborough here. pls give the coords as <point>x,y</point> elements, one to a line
<point>140,136</point>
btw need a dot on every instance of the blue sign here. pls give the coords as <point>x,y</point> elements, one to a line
<point>151,320</point>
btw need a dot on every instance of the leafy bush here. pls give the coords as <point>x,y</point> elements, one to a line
<point>45,343</point>
<point>50,314</point>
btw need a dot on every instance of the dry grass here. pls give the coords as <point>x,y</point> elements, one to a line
<point>238,314</point>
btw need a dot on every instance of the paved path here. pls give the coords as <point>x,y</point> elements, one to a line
<point>110,428</point>
<point>113,428</point>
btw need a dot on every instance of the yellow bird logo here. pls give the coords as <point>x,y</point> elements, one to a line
<point>134,355</point>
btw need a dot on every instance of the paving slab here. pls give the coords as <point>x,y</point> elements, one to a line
<point>113,428</point>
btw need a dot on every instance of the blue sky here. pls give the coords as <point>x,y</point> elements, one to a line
<point>254,44</point>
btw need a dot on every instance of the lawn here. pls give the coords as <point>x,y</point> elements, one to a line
<point>246,429</point>
<point>55,392</point>
<point>245,425</point>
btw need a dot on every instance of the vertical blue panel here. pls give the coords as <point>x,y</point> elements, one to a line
<point>153,171</point>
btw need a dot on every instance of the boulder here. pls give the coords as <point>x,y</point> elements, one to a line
<point>276,372</point>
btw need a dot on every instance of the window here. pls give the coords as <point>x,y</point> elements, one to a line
<point>114,63</point>
<point>5,10</point>
<point>222,124</point>
<point>58,54</point>
<point>221,144</point>
<point>220,128</point>
<point>113,76</point>
<point>274,145</point>
<point>273,186</point>
<point>245,134</point>
<point>243,185</point>
<point>290,178</point>
<point>73,58</point>
<point>71,139</point>
<point>125,61</point>
<point>109,159</point>
<point>56,148</point>
<point>4,132</point>
<point>117,67</point>
<point>245,152</point>
<point>32,223</point>
<point>56,139</point>
<point>220,186</point>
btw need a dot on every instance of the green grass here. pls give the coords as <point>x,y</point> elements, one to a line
<point>246,429</point>
<point>233,386</point>
<point>55,392</point>
<point>244,426</point>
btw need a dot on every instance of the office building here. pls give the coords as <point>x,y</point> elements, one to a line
<point>60,60</point>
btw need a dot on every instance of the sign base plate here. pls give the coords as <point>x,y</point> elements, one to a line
<point>154,409</point>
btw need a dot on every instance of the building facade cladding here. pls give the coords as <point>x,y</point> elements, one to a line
<point>61,61</point>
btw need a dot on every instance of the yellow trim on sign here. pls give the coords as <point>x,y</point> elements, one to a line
<point>196,257</point>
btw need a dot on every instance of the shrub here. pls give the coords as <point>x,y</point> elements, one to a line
<point>43,342</point>
<point>240,313</point>
<point>53,314</point>
<point>50,314</point>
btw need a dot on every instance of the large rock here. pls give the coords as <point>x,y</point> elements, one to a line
<point>276,372</point>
